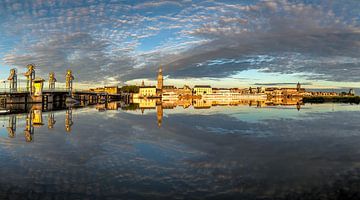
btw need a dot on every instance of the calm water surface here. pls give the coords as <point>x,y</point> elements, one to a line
<point>223,152</point>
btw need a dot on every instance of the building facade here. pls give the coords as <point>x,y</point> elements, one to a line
<point>202,89</point>
<point>147,91</point>
<point>111,89</point>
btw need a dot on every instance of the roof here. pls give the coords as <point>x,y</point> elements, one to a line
<point>147,87</point>
<point>169,87</point>
<point>38,80</point>
<point>202,86</point>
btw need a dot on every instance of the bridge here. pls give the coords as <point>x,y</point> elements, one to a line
<point>34,92</point>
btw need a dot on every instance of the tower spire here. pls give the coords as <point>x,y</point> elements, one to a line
<point>160,79</point>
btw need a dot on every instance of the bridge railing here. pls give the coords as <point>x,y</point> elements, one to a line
<point>55,90</point>
<point>8,90</point>
<point>23,90</point>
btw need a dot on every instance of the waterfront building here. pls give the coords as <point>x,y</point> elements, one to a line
<point>288,92</point>
<point>260,90</point>
<point>184,92</point>
<point>171,95</point>
<point>240,90</point>
<point>111,89</point>
<point>230,94</point>
<point>106,89</point>
<point>220,90</point>
<point>253,90</point>
<point>168,88</point>
<point>147,91</point>
<point>273,91</point>
<point>97,90</point>
<point>169,92</point>
<point>202,89</point>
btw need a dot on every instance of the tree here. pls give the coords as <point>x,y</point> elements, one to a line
<point>130,89</point>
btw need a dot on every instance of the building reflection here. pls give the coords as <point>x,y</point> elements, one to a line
<point>11,128</point>
<point>108,106</point>
<point>51,120</point>
<point>198,103</point>
<point>34,119</point>
<point>29,128</point>
<point>159,114</point>
<point>37,118</point>
<point>68,120</point>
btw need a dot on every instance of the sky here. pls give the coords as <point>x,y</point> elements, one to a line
<point>225,43</point>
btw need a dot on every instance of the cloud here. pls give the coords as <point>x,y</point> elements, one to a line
<point>85,55</point>
<point>310,35</point>
<point>121,41</point>
<point>152,4</point>
<point>280,84</point>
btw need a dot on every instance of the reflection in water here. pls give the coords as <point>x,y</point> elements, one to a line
<point>159,105</point>
<point>226,151</point>
<point>29,127</point>
<point>159,114</point>
<point>11,128</point>
<point>37,117</point>
<point>34,119</point>
<point>51,120</point>
<point>68,120</point>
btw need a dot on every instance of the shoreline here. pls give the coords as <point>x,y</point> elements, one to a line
<point>333,99</point>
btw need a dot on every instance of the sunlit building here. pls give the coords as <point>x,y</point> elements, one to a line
<point>97,90</point>
<point>184,91</point>
<point>202,89</point>
<point>147,91</point>
<point>111,89</point>
<point>220,90</point>
<point>106,89</point>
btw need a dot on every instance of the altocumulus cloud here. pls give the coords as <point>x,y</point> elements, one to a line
<point>109,41</point>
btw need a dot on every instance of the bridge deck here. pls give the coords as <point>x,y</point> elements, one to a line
<point>54,91</point>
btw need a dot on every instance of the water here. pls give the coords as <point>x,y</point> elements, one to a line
<point>227,152</point>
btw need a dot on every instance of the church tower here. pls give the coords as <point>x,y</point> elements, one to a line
<point>159,114</point>
<point>160,80</point>
<point>298,87</point>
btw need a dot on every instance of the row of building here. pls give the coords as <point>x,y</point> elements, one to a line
<point>206,91</point>
<point>172,92</point>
